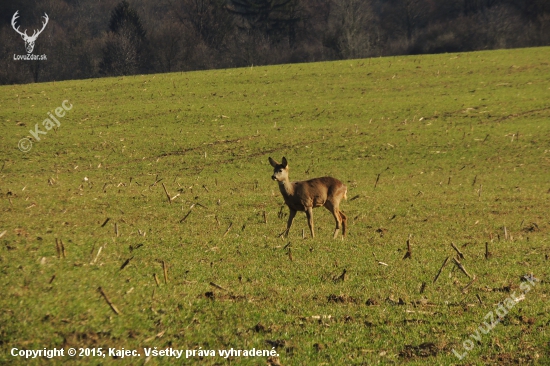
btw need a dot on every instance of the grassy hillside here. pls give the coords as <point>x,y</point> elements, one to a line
<point>439,149</point>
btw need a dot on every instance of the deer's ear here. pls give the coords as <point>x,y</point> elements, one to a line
<point>284,163</point>
<point>273,162</point>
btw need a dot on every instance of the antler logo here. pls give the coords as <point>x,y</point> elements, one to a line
<point>29,40</point>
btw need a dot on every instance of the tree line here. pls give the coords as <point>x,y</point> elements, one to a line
<point>90,38</point>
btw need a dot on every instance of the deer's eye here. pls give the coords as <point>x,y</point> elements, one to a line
<point>280,171</point>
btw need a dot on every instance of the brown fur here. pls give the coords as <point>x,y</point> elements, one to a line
<point>308,194</point>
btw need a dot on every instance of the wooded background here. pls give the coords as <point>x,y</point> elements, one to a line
<point>94,38</point>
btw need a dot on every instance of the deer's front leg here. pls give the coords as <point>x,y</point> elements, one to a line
<point>289,222</point>
<point>309,214</point>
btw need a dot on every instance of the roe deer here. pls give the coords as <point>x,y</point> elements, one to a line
<point>308,194</point>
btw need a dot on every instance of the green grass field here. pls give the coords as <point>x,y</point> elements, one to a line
<point>452,148</point>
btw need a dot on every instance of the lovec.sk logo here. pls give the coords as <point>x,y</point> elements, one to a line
<point>29,40</point>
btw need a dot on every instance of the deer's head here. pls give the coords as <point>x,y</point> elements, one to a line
<point>29,40</point>
<point>280,171</point>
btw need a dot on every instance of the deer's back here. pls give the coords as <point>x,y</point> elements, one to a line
<point>315,192</point>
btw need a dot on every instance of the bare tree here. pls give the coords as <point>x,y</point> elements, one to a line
<point>352,24</point>
<point>208,18</point>
<point>173,43</point>
<point>274,19</point>
<point>124,51</point>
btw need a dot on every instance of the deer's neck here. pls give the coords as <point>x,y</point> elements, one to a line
<point>287,188</point>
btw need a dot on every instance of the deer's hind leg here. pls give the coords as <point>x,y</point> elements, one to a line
<point>344,222</point>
